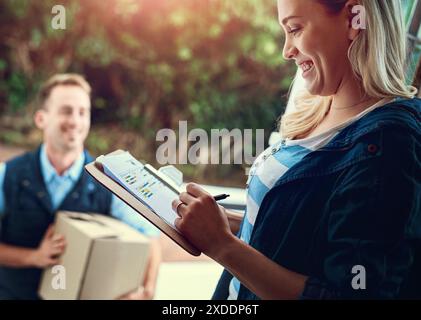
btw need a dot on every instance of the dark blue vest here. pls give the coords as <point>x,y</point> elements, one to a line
<point>28,213</point>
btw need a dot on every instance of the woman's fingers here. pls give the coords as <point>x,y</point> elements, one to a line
<point>178,206</point>
<point>195,190</point>
<point>186,198</point>
<point>175,203</point>
<point>177,223</point>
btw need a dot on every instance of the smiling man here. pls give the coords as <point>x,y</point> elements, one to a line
<point>34,186</point>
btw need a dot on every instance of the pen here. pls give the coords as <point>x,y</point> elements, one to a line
<point>221,197</point>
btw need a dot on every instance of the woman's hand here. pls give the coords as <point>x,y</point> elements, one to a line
<point>202,221</point>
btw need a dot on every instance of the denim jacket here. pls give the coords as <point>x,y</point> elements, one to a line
<point>348,215</point>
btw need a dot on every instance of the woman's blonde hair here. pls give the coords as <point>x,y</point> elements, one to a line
<point>377,58</point>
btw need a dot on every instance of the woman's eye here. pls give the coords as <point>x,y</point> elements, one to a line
<point>294,31</point>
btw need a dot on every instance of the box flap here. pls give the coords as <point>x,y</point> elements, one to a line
<point>89,224</point>
<point>120,229</point>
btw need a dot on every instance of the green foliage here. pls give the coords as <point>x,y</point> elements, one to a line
<point>96,143</point>
<point>215,63</point>
<point>16,85</point>
<point>12,137</point>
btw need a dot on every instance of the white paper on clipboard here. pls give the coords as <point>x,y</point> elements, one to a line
<point>148,185</point>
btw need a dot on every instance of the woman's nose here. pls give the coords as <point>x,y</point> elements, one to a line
<point>289,51</point>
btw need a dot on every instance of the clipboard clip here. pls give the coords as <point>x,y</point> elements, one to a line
<point>170,171</point>
<point>173,173</point>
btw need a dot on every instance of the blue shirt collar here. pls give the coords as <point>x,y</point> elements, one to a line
<point>49,172</point>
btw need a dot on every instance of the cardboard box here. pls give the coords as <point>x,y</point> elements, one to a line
<point>104,259</point>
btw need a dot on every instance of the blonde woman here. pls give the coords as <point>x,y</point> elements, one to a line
<point>333,210</point>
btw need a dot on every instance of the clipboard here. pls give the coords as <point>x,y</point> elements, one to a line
<point>96,170</point>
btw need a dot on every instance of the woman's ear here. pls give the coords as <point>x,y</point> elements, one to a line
<point>39,119</point>
<point>356,18</point>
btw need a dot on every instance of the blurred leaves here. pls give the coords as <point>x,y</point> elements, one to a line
<point>215,63</point>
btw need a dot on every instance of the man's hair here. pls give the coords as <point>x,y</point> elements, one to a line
<point>61,79</point>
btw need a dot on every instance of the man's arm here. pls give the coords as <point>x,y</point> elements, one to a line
<point>16,257</point>
<point>47,254</point>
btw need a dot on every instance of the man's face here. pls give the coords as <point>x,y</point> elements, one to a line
<point>65,118</point>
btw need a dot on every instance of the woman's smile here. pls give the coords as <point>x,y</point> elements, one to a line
<point>306,66</point>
